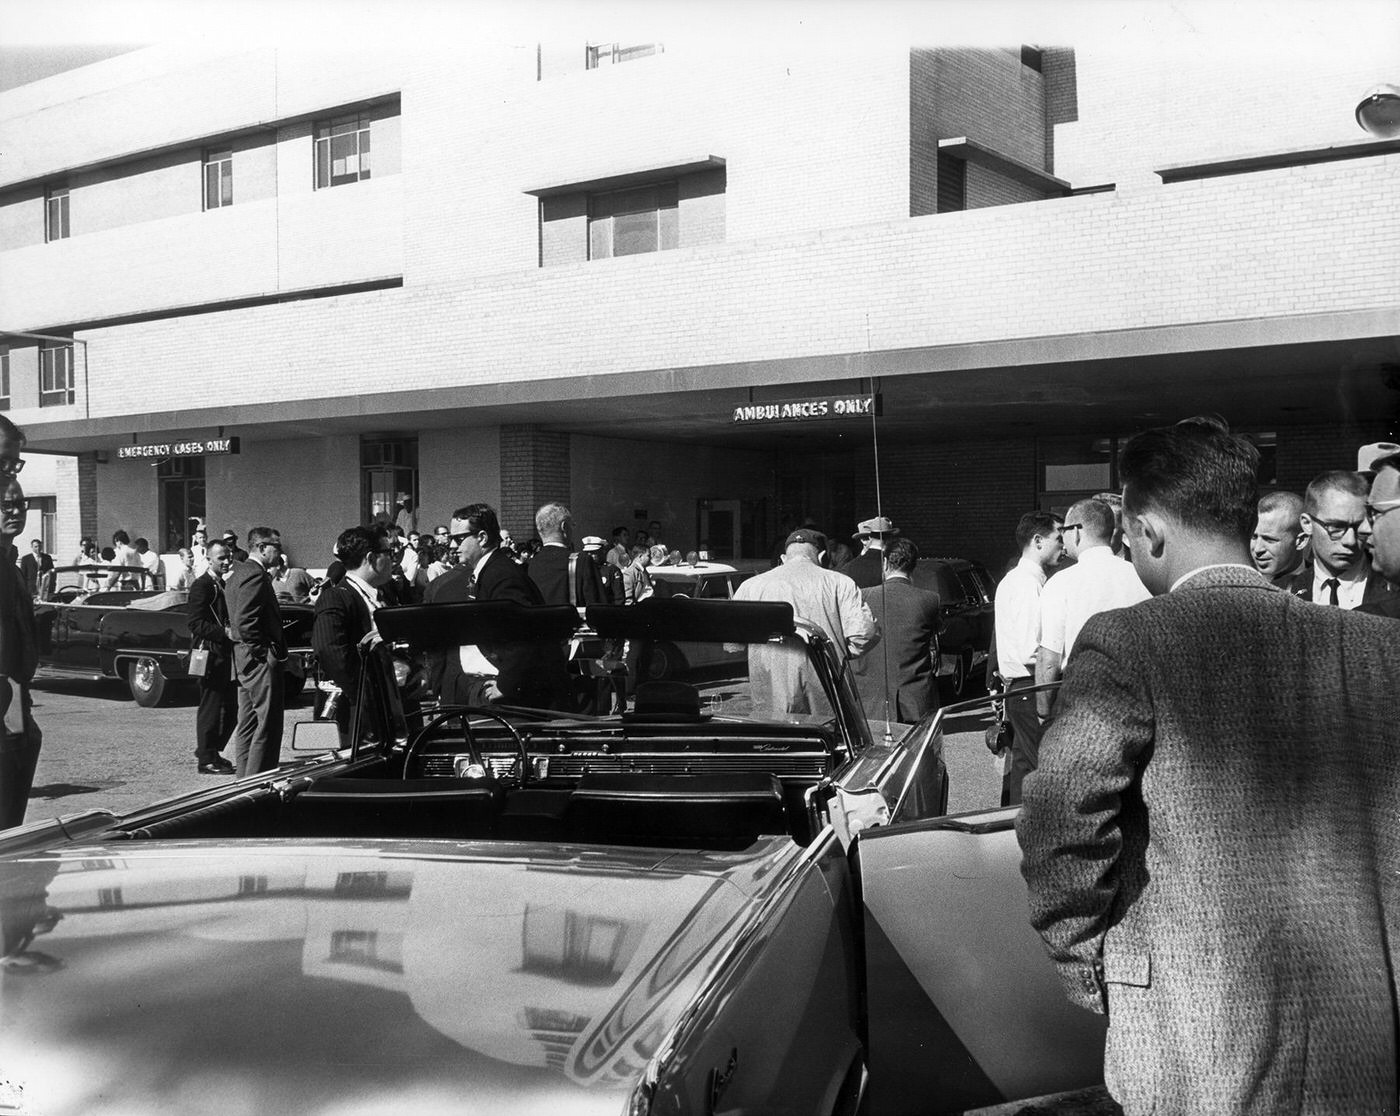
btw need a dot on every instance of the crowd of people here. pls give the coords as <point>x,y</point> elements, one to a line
<point>1207,814</point>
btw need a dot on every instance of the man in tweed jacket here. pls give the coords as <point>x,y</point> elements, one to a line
<point>1213,834</point>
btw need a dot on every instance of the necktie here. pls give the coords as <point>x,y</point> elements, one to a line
<point>1331,586</point>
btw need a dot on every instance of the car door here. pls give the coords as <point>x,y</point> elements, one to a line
<point>963,1007</point>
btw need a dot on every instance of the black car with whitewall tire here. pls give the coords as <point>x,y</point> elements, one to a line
<point>140,635</point>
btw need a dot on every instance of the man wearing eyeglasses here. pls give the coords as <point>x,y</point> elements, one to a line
<point>1334,517</point>
<point>1098,581</point>
<point>1383,536</point>
<point>20,738</point>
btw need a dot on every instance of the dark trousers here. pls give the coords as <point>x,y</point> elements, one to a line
<point>19,756</point>
<point>257,741</point>
<point>216,717</point>
<point>1025,736</point>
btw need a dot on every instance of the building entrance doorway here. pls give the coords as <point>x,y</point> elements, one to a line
<point>729,529</point>
<point>182,506</point>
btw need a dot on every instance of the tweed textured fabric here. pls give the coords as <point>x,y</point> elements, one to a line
<point>1211,846</point>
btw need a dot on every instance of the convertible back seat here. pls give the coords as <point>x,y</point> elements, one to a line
<point>714,810</point>
<point>351,806</point>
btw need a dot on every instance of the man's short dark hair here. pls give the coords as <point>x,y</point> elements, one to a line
<point>258,536</point>
<point>355,543</point>
<point>1334,480</point>
<point>1196,472</point>
<point>1035,523</point>
<point>901,555</point>
<point>9,430</point>
<point>618,532</point>
<point>143,544</point>
<point>481,517</point>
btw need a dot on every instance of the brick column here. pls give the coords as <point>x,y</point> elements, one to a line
<point>535,469</point>
<point>87,495</point>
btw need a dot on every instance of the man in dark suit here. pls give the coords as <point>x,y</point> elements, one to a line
<point>896,680</point>
<point>345,614</point>
<point>260,649</point>
<point>1210,837</point>
<point>1334,517</point>
<point>20,738</point>
<point>37,568</point>
<point>218,696</point>
<point>1383,531</point>
<point>516,674</point>
<point>551,567</point>
<point>867,568</point>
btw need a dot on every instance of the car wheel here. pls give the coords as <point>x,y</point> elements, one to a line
<point>147,682</point>
<point>666,662</point>
<point>962,672</point>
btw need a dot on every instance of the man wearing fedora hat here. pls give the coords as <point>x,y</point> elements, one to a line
<point>867,569</point>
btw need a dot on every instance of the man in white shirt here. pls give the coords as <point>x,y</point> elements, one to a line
<point>1018,637</point>
<point>779,676</point>
<point>1098,581</point>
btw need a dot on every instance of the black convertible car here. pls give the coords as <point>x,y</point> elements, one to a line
<point>732,898</point>
<point>135,632</point>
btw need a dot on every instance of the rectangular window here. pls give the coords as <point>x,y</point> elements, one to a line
<point>56,381</point>
<point>628,222</point>
<point>56,214</point>
<point>610,54</point>
<point>4,379</point>
<point>218,177</point>
<point>342,150</point>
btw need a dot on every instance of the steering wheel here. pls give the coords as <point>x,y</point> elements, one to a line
<point>465,713</point>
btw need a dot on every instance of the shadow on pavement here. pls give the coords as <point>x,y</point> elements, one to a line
<point>50,791</point>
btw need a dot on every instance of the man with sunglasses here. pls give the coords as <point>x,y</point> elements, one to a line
<point>1334,518</point>
<point>20,738</point>
<point>1383,531</point>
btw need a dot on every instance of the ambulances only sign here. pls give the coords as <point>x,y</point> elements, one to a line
<point>190,447</point>
<point>822,407</point>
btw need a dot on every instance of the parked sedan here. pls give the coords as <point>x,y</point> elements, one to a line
<point>141,635</point>
<point>967,592</point>
<point>712,902</point>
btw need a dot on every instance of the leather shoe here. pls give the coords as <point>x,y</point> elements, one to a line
<point>216,767</point>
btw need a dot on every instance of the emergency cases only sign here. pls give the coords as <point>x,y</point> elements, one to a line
<point>803,410</point>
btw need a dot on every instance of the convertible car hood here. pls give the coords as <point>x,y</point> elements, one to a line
<point>189,977</point>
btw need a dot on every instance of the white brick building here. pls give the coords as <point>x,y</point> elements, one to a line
<point>515,275</point>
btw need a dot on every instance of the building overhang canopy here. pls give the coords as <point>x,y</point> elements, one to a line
<point>970,151</point>
<point>620,178</point>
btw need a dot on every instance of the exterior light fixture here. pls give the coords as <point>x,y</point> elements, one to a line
<point>1379,111</point>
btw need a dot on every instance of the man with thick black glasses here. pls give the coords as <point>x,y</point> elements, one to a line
<point>20,738</point>
<point>1334,518</point>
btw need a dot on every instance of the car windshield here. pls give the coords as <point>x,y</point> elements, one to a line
<point>669,659</point>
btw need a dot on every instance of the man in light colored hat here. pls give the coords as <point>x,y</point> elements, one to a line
<point>867,569</point>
